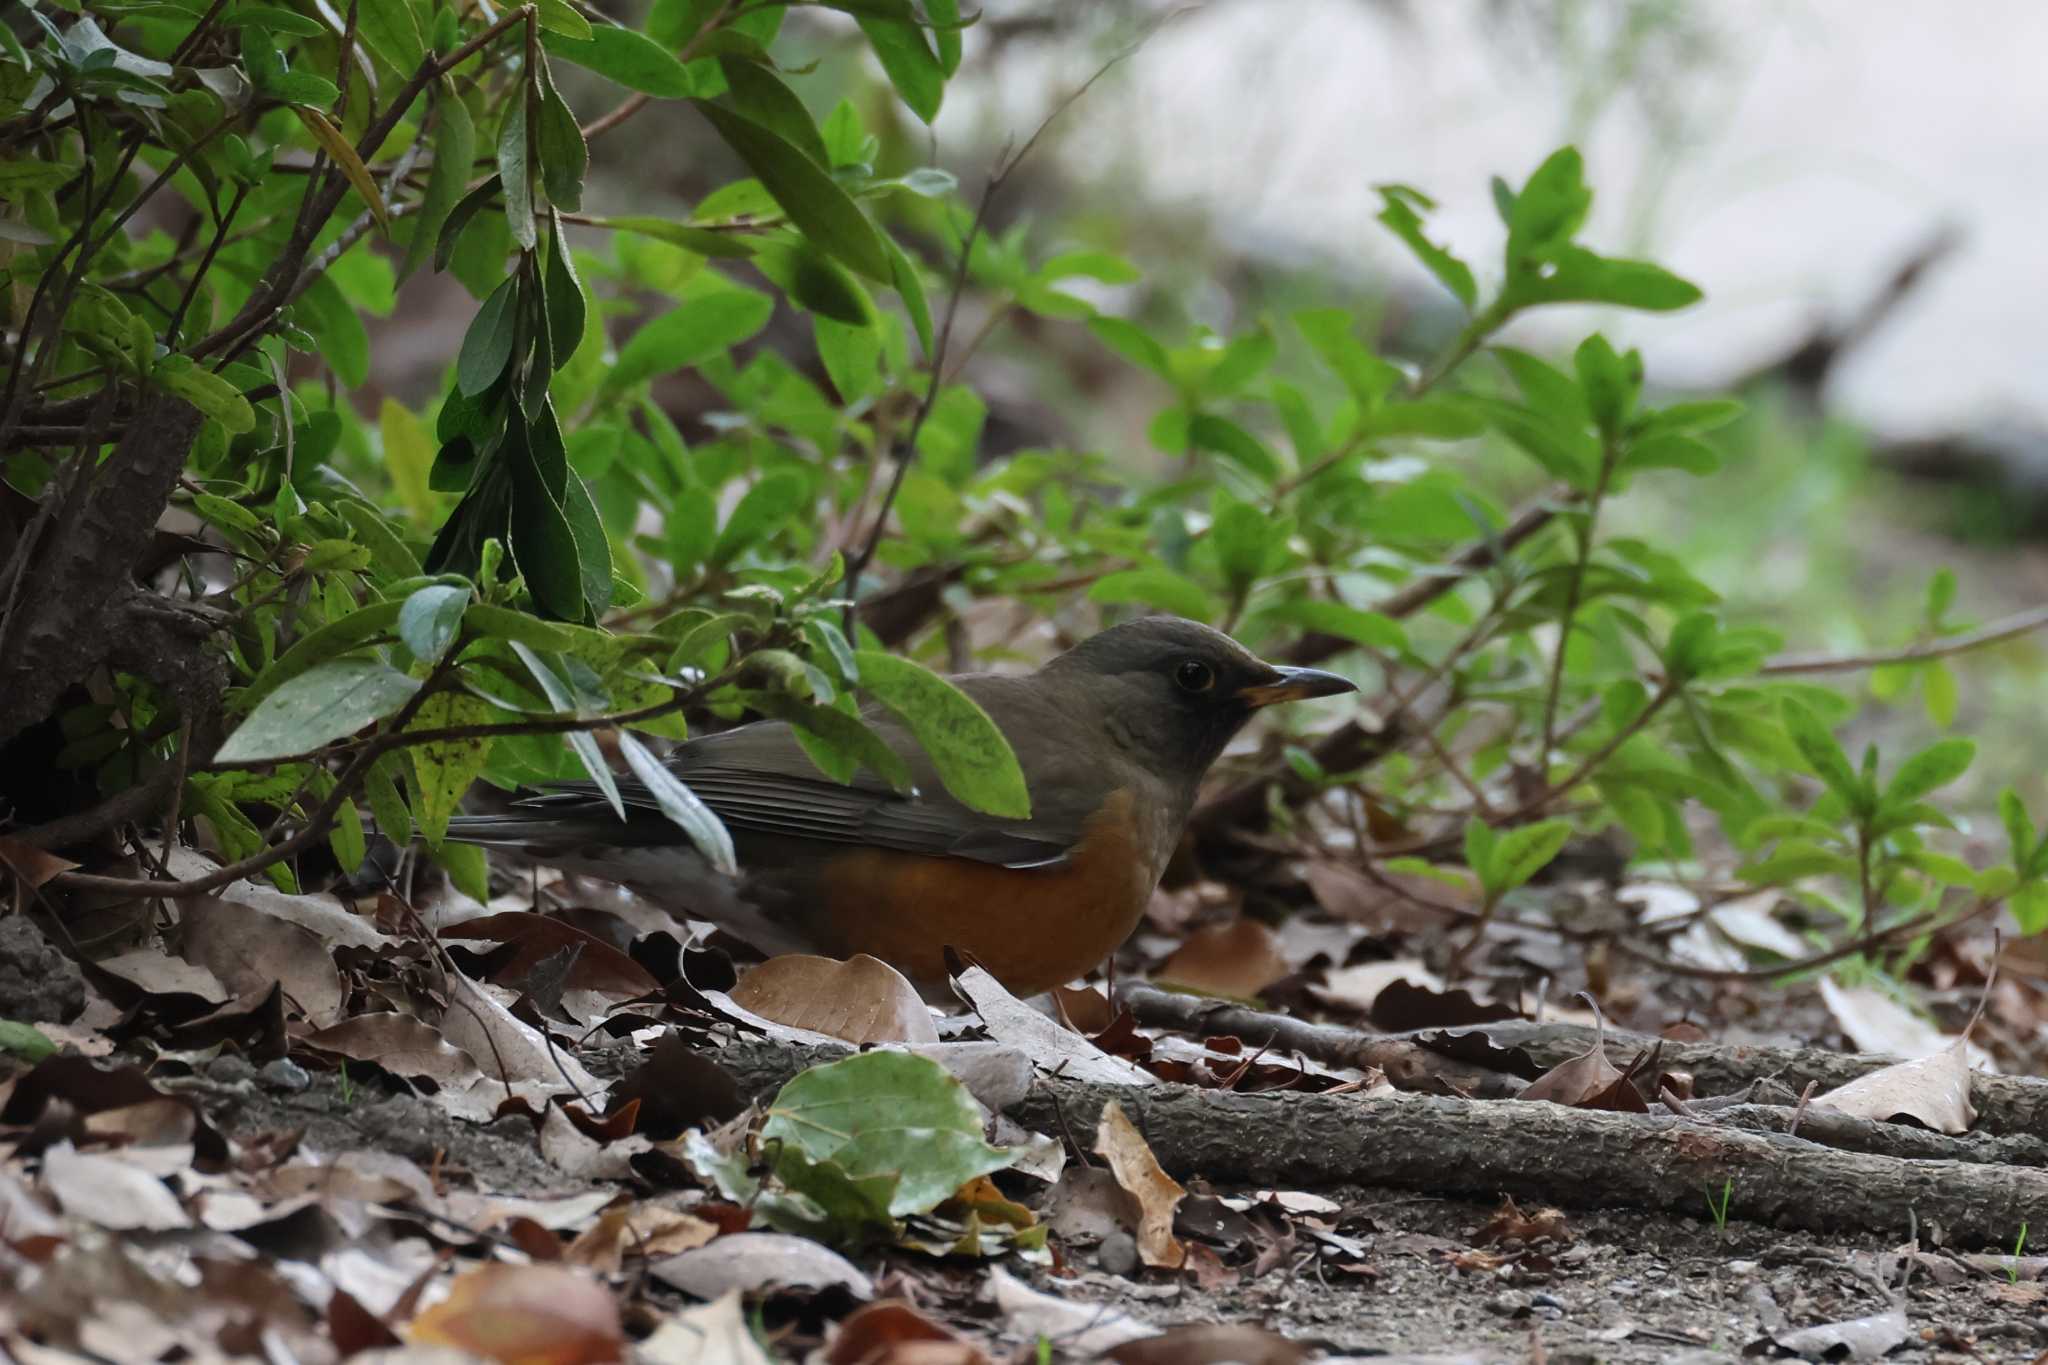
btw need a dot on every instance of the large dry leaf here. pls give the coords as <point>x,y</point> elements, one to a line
<point>1933,1090</point>
<point>529,1314</point>
<point>332,922</point>
<point>712,1334</point>
<point>1052,1047</point>
<point>1083,1330</point>
<point>640,1230</point>
<point>158,973</point>
<point>600,968</point>
<point>400,1044</point>
<point>753,1261</point>
<point>31,866</point>
<point>1876,1022</point>
<point>248,951</point>
<point>1237,959</point>
<point>1870,1338</point>
<point>1158,1194</point>
<point>862,1000</point>
<point>111,1192</point>
<point>506,1048</point>
<point>571,1150</point>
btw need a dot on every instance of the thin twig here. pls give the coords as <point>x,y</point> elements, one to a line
<point>1998,632</point>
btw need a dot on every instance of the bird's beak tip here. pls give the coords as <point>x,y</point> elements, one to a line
<point>1296,684</point>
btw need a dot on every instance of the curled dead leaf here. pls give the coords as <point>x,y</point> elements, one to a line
<point>1158,1194</point>
<point>1934,1091</point>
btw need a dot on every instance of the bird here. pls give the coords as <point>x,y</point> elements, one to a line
<point>1113,738</point>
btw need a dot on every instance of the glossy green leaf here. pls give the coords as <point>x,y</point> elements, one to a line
<point>327,702</point>
<point>691,335</point>
<point>1401,210</point>
<point>444,769</point>
<point>973,758</point>
<point>1935,766</point>
<point>1157,587</point>
<point>763,510</point>
<point>429,619</point>
<point>806,190</point>
<point>1521,853</point>
<point>487,345</point>
<point>392,32</point>
<point>632,59</point>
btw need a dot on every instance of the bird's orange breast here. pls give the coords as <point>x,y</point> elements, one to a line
<point>1034,928</point>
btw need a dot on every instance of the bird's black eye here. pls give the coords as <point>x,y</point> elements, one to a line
<point>1194,676</point>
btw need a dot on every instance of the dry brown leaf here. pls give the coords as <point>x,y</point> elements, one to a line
<point>158,973</point>
<point>31,866</point>
<point>569,1149</point>
<point>1577,1081</point>
<point>862,1000</point>
<point>1348,894</point>
<point>752,1261</point>
<point>1356,987</point>
<point>1237,959</point>
<point>1009,1020</point>
<point>400,1044</point>
<point>1876,1022</point>
<point>642,1230</point>
<point>1131,1161</point>
<point>1082,1329</point>
<point>150,1123</point>
<point>1509,1222</point>
<point>712,1334</point>
<point>330,921</point>
<point>526,1315</point>
<point>1934,1091</point>
<point>506,1048</point>
<point>249,951</point>
<point>894,1333</point>
<point>599,968</point>
<point>110,1192</point>
<point>1211,1343</point>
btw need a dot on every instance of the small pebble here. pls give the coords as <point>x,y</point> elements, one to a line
<point>1118,1253</point>
<point>230,1069</point>
<point>1542,1300</point>
<point>1741,1267</point>
<point>284,1074</point>
<point>1511,1303</point>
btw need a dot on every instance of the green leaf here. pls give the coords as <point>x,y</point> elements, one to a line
<point>681,805</point>
<point>325,703</point>
<point>1228,439</point>
<point>394,821</point>
<point>1935,766</point>
<point>2029,906</point>
<point>1133,343</point>
<point>567,305</point>
<point>1796,859</point>
<point>429,619</point>
<point>559,16</point>
<point>1157,587</point>
<point>564,156</point>
<point>906,57</point>
<point>1609,380</point>
<point>1401,210</point>
<point>25,1042</point>
<point>333,639</point>
<point>763,510</point>
<point>847,743</point>
<point>444,770</point>
<point>973,758</point>
<point>632,59</point>
<point>1368,628</point>
<point>487,345</point>
<point>815,281</point>
<point>691,335</point>
<point>1243,536</point>
<point>502,623</point>
<point>206,391</point>
<point>581,742</point>
<point>514,171</point>
<point>1522,853</point>
<point>2019,826</point>
<point>593,549</point>
<point>1938,693</point>
<point>391,31</point>
<point>1825,757</point>
<point>1481,841</point>
<point>1575,275</point>
<point>1550,209</point>
<point>1703,415</point>
<point>408,455</point>
<point>823,211</point>
<point>468,867</point>
<point>1673,450</point>
<point>760,94</point>
<point>887,1113</point>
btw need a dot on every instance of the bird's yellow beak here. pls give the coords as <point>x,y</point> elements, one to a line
<point>1295,684</point>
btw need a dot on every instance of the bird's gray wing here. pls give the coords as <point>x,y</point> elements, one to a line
<point>758,779</point>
